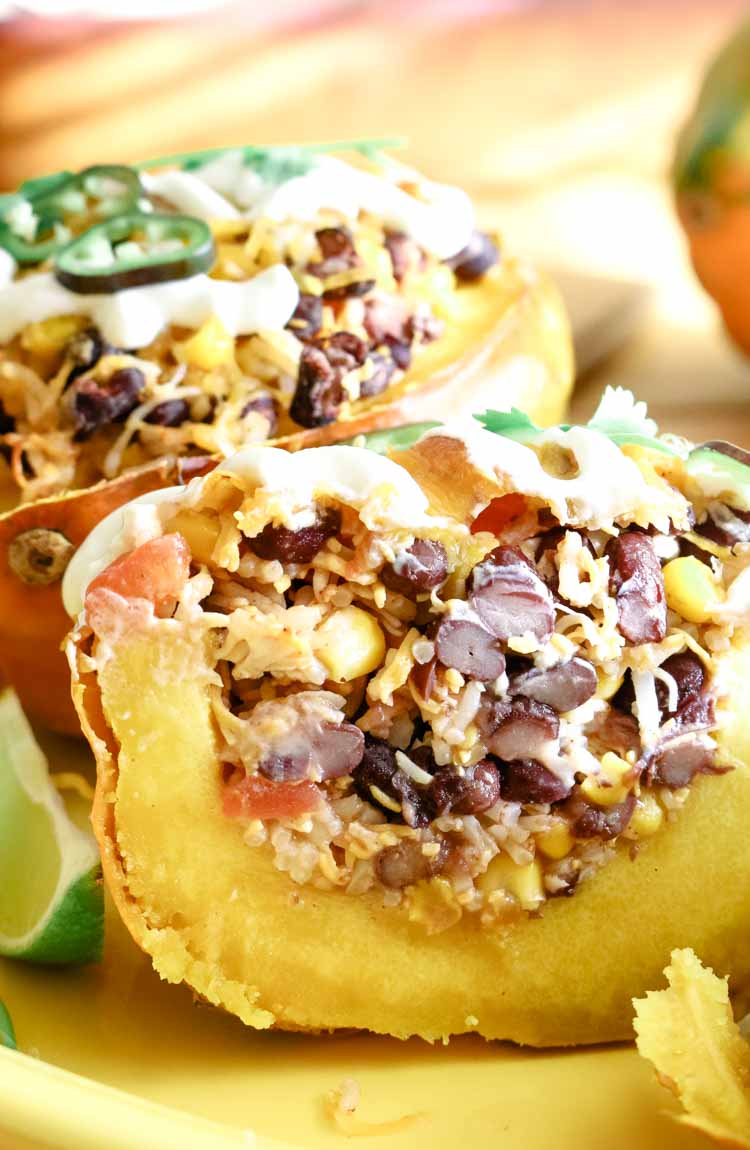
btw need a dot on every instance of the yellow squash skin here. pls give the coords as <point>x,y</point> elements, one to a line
<point>511,346</point>
<point>215,913</point>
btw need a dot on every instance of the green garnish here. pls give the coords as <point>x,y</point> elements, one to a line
<point>7,1033</point>
<point>513,424</point>
<point>259,157</point>
<point>392,438</point>
<point>619,416</point>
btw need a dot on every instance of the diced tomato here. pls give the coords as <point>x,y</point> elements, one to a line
<point>139,585</point>
<point>257,798</point>
<point>156,571</point>
<point>499,513</point>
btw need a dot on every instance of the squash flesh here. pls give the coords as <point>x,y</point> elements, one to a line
<point>216,913</point>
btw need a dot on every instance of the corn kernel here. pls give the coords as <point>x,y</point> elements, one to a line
<point>433,904</point>
<point>692,589</point>
<point>611,785</point>
<point>200,532</point>
<point>350,643</point>
<point>557,842</point>
<point>647,817</point>
<point>210,347</point>
<point>48,337</point>
<point>525,882</point>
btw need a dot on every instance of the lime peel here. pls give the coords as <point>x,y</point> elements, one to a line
<point>69,927</point>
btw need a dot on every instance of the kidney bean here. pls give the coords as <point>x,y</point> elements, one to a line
<point>319,394</point>
<point>404,864</point>
<point>470,649</point>
<point>425,328</point>
<point>99,403</point>
<point>338,252</point>
<point>402,250</point>
<point>349,291</point>
<point>307,319</point>
<point>383,370</point>
<point>285,768</point>
<point>475,791</point>
<point>518,729</point>
<point>378,769</point>
<point>528,781</point>
<point>418,569</point>
<point>728,533</point>
<point>590,822</point>
<point>344,349</point>
<point>479,255</point>
<point>339,748</point>
<point>296,546</point>
<point>637,583</point>
<point>563,687</point>
<point>679,760</point>
<point>424,758</point>
<point>401,352</point>
<point>171,413</point>
<point>386,318</point>
<point>266,406</point>
<point>689,674</point>
<point>7,422</point>
<point>509,597</point>
<point>620,732</point>
<point>422,676</point>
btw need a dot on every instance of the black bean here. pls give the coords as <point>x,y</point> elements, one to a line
<point>475,791</point>
<point>479,255</point>
<point>385,319</point>
<point>296,546</point>
<point>401,353</point>
<point>171,413</point>
<point>378,769</point>
<point>509,596</point>
<point>423,677</point>
<point>689,674</point>
<point>338,252</point>
<point>418,569</point>
<point>470,649</point>
<point>307,319</point>
<point>637,583</point>
<point>528,781</point>
<point>319,393</point>
<point>563,687</point>
<point>266,406</point>
<point>100,403</point>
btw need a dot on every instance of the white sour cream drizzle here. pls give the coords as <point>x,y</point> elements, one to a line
<point>134,317</point>
<point>441,220</point>
<point>607,486</point>
<point>385,495</point>
<point>189,194</point>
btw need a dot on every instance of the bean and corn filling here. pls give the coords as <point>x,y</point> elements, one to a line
<point>355,300</point>
<point>467,718</point>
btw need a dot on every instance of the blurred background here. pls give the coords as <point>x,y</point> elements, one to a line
<point>559,117</point>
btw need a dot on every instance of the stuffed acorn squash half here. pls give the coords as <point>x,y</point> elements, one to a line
<point>190,307</point>
<point>449,741</point>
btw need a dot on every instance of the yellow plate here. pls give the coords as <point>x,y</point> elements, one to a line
<point>113,1059</point>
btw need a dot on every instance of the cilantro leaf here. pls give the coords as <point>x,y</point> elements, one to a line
<point>513,424</point>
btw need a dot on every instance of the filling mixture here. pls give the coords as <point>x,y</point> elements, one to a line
<point>465,718</point>
<point>243,296</point>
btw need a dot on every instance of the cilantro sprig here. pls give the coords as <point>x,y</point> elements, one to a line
<point>275,162</point>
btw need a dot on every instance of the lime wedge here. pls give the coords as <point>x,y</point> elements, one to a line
<point>7,1033</point>
<point>51,897</point>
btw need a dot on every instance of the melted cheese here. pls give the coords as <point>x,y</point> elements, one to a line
<point>189,194</point>
<point>133,318</point>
